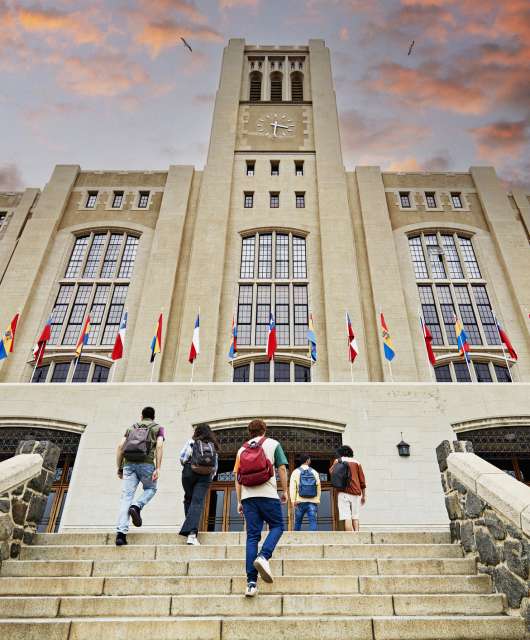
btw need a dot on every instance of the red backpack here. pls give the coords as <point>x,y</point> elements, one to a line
<point>254,466</point>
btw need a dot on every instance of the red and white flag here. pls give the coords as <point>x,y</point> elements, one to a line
<point>40,347</point>
<point>195,348</point>
<point>504,338</point>
<point>117,352</point>
<point>427,336</point>
<point>271,337</point>
<point>353,349</point>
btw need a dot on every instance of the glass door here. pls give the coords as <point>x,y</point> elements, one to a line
<point>53,511</point>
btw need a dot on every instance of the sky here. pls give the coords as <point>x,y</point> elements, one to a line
<point>106,84</point>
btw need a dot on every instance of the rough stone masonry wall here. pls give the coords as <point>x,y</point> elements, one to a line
<point>22,508</point>
<point>499,544</point>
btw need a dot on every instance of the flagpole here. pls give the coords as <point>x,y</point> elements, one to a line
<point>502,345</point>
<point>153,368</point>
<point>37,361</point>
<point>192,368</point>
<point>113,371</point>
<point>390,369</point>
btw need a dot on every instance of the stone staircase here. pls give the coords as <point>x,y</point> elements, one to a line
<point>373,586</point>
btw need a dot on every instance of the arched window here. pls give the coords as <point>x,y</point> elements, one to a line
<point>297,87</point>
<point>273,277</point>
<point>482,371</point>
<point>96,282</point>
<point>255,86</point>
<point>279,371</point>
<point>68,371</point>
<point>276,86</point>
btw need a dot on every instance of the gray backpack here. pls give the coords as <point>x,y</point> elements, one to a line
<point>203,457</point>
<point>138,444</point>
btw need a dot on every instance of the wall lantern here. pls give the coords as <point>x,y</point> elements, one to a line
<point>403,448</point>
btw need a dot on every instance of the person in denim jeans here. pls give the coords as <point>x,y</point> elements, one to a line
<point>304,505</point>
<point>261,504</point>
<point>133,472</point>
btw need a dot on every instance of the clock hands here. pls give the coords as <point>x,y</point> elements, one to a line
<point>276,125</point>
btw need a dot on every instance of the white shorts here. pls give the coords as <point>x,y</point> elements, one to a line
<point>349,506</point>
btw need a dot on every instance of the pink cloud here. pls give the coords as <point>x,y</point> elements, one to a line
<point>74,25</point>
<point>344,34</point>
<point>166,34</point>
<point>230,4</point>
<point>501,138</point>
<point>104,75</point>
<point>10,177</point>
<point>427,86</point>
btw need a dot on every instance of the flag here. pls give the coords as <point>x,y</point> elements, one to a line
<point>7,345</point>
<point>117,352</point>
<point>461,340</point>
<point>387,340</point>
<point>83,338</point>
<point>156,342</point>
<point>232,353</point>
<point>271,338</point>
<point>353,349</point>
<point>427,336</point>
<point>312,339</point>
<point>40,347</point>
<point>504,337</point>
<point>195,348</point>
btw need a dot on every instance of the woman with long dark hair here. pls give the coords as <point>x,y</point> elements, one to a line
<point>199,465</point>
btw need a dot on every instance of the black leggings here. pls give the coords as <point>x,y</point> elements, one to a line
<point>195,490</point>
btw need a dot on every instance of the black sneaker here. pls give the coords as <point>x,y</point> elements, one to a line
<point>136,518</point>
<point>121,539</point>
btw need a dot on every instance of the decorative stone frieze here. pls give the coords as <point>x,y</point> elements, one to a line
<point>487,511</point>
<point>27,479</point>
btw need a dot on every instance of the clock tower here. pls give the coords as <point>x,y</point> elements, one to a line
<point>273,230</point>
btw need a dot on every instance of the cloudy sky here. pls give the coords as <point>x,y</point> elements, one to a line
<point>106,84</point>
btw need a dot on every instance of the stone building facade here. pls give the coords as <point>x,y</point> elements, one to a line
<point>273,223</point>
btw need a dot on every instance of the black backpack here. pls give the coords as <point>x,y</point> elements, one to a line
<point>341,475</point>
<point>203,457</point>
<point>138,443</point>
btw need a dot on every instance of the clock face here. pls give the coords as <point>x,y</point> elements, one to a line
<point>275,125</point>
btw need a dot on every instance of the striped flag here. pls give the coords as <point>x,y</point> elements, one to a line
<point>427,336</point>
<point>7,344</point>
<point>232,353</point>
<point>156,342</point>
<point>271,338</point>
<point>504,338</point>
<point>83,338</point>
<point>40,347</point>
<point>461,340</point>
<point>117,352</point>
<point>387,340</point>
<point>195,348</point>
<point>312,339</point>
<point>353,349</point>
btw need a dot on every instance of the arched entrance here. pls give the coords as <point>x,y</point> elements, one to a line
<point>68,441</point>
<point>220,513</point>
<point>504,442</point>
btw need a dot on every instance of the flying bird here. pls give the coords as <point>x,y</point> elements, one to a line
<point>410,48</point>
<point>186,44</point>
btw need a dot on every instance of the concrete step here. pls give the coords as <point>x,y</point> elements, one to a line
<point>235,538</point>
<point>264,628</point>
<point>443,604</point>
<point>310,567</point>
<point>174,585</point>
<point>423,584</point>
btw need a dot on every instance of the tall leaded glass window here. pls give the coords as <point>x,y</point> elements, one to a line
<point>446,267</point>
<point>95,282</point>
<point>277,263</point>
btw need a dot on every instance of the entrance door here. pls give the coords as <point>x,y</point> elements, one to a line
<point>220,513</point>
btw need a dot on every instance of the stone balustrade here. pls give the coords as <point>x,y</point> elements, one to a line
<point>489,514</point>
<point>25,483</point>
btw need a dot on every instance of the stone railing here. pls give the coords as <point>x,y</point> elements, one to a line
<point>25,483</point>
<point>489,514</point>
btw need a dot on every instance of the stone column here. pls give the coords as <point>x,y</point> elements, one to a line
<point>22,508</point>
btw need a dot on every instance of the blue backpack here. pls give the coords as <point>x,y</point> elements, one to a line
<point>307,485</point>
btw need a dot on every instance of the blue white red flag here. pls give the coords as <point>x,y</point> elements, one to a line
<point>271,338</point>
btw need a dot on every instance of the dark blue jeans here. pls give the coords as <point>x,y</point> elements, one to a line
<point>301,509</point>
<point>257,511</point>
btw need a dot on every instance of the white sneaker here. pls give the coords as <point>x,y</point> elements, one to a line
<point>264,569</point>
<point>252,590</point>
<point>192,539</point>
